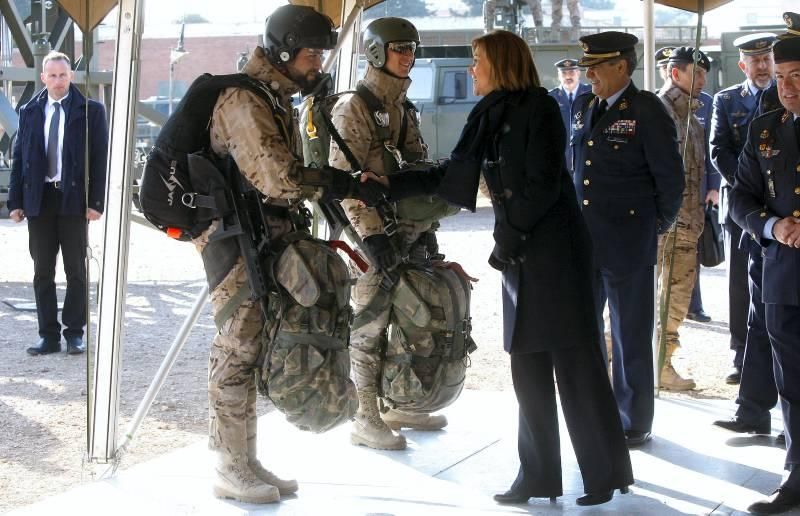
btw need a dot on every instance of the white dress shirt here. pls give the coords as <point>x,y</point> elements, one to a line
<point>48,115</point>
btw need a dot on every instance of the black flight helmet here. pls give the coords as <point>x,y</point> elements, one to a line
<point>292,27</point>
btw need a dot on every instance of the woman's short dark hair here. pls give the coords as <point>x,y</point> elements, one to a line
<point>511,61</point>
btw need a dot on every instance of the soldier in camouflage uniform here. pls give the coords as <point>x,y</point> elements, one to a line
<point>574,7</point>
<point>691,217</point>
<point>389,45</point>
<point>245,128</point>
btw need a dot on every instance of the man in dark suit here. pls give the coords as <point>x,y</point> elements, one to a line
<point>51,187</point>
<point>629,178</point>
<point>734,108</point>
<point>570,88</point>
<point>765,202</point>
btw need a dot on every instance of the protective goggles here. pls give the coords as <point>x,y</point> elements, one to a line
<point>403,47</point>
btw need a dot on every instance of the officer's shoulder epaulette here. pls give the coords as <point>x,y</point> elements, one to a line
<point>729,92</point>
<point>648,98</point>
<point>554,91</point>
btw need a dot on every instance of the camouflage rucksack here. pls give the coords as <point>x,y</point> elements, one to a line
<point>429,340</point>
<point>306,364</point>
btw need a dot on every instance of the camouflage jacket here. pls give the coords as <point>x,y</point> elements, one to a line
<point>244,127</point>
<point>691,215</point>
<point>356,125</point>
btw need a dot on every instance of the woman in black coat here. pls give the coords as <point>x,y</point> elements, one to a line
<point>515,137</point>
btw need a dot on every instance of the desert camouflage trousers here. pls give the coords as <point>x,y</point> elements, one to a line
<point>684,275</point>
<point>368,341</point>
<point>574,7</point>
<point>232,369</point>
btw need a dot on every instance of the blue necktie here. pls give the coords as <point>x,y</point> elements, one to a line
<point>570,99</point>
<point>52,142</point>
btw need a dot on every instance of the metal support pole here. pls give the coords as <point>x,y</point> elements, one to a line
<point>648,11</point>
<point>40,49</point>
<point>163,371</point>
<point>171,80</point>
<point>348,66</point>
<point>103,391</point>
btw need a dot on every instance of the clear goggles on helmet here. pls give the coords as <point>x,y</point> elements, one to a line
<point>403,47</point>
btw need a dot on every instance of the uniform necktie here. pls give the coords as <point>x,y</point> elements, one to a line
<point>599,111</point>
<point>52,142</point>
<point>758,98</point>
<point>570,99</point>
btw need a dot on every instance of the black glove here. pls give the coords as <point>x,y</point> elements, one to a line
<point>500,259</point>
<point>381,252</point>
<point>341,185</point>
<point>371,192</point>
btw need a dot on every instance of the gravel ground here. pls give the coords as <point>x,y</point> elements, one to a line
<point>43,399</point>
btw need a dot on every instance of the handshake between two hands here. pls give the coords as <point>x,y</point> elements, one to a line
<point>367,187</point>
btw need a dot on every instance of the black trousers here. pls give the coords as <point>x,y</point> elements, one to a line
<point>757,390</point>
<point>783,325</point>
<point>738,294</point>
<point>47,233</point>
<point>591,415</point>
<point>631,299</point>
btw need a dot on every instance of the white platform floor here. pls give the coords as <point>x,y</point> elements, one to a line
<point>689,468</point>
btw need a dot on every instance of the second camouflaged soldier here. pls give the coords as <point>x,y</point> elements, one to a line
<point>381,131</point>
<point>680,96</point>
<point>262,140</point>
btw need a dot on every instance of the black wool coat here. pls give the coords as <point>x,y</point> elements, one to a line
<point>547,299</point>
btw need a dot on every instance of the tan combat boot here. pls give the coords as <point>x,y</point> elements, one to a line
<point>671,380</point>
<point>236,481</point>
<point>369,429</point>
<point>396,420</point>
<point>286,487</point>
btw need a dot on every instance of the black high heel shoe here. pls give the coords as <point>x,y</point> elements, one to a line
<point>511,496</point>
<point>598,498</point>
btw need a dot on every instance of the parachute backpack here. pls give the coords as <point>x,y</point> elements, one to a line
<point>181,200</point>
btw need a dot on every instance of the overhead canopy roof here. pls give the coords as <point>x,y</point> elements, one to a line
<point>332,8</point>
<point>694,5</point>
<point>88,13</point>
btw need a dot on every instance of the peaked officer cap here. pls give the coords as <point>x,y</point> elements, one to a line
<point>754,44</point>
<point>567,64</point>
<point>792,25</point>
<point>604,46</point>
<point>787,50</point>
<point>662,55</point>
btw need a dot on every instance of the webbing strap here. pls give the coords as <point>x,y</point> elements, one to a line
<point>232,305</point>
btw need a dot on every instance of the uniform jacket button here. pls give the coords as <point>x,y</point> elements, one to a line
<point>797,190</point>
<point>588,162</point>
<point>586,202</point>
<point>632,212</point>
<point>763,214</point>
<point>796,213</point>
<point>590,143</point>
<point>586,182</point>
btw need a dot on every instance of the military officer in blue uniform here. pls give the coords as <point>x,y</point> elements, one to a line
<point>758,393</point>
<point>629,178</point>
<point>734,108</point>
<point>662,59</point>
<point>765,201</point>
<point>570,88</point>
